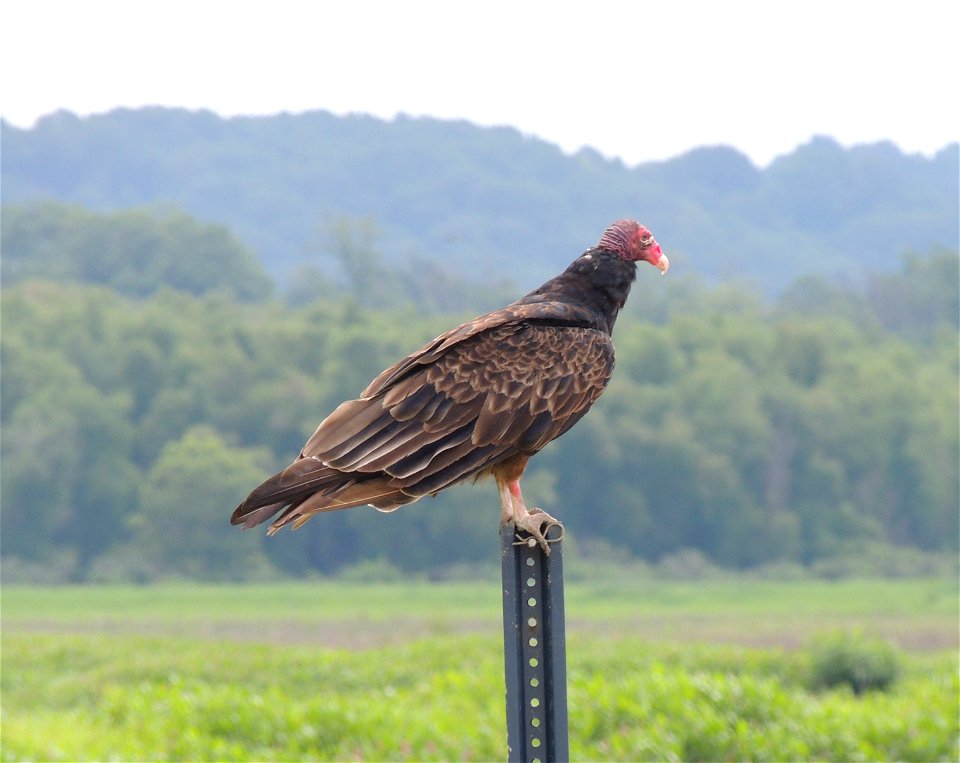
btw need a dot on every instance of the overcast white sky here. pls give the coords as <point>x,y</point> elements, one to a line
<point>636,80</point>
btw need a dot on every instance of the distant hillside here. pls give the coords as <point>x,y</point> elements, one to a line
<point>491,201</point>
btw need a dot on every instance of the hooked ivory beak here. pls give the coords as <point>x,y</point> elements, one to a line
<point>664,264</point>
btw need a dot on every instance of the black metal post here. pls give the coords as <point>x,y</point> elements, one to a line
<point>534,649</point>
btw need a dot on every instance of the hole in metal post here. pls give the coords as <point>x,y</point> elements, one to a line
<point>534,682</point>
<point>535,722</point>
<point>531,602</point>
<point>532,622</point>
<point>535,742</point>
<point>530,562</point>
<point>534,702</point>
<point>531,582</point>
<point>533,642</point>
<point>534,662</point>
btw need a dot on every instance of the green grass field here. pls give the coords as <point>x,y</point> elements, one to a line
<point>706,670</point>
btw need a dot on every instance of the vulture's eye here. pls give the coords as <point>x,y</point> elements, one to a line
<point>646,239</point>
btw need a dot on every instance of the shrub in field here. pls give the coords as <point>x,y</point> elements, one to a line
<point>862,663</point>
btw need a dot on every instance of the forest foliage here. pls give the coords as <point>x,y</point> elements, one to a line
<point>809,428</point>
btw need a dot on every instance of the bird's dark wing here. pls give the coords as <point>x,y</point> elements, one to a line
<point>528,310</point>
<point>470,399</point>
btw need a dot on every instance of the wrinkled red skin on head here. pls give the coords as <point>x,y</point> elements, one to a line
<point>624,237</point>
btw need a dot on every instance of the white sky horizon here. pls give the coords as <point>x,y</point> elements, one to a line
<point>636,81</point>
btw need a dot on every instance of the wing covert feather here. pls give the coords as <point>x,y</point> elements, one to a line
<point>525,310</point>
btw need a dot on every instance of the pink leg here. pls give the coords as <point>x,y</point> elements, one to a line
<point>536,522</point>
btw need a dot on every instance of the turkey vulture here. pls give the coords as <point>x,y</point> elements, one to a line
<point>479,399</point>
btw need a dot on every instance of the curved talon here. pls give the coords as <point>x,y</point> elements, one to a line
<point>538,529</point>
<point>534,537</point>
<point>532,540</point>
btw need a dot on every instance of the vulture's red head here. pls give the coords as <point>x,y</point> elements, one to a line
<point>633,242</point>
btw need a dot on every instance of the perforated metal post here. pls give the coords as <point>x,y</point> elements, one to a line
<point>535,651</point>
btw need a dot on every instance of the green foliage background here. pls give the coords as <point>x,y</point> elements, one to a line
<point>815,427</point>
<point>153,371</point>
<point>158,361</point>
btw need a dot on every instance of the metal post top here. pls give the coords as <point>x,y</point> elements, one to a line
<point>534,650</point>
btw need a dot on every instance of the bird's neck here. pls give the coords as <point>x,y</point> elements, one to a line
<point>597,280</point>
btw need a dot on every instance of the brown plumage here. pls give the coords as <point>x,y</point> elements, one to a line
<point>479,399</point>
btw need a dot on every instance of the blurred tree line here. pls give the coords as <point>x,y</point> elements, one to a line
<point>144,394</point>
<point>472,196</point>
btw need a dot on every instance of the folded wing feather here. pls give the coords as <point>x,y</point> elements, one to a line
<point>471,398</point>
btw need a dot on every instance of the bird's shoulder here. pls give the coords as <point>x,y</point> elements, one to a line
<point>524,355</point>
<point>529,316</point>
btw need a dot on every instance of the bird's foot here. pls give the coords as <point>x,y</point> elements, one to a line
<point>537,523</point>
